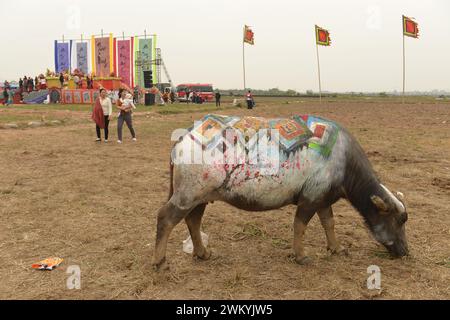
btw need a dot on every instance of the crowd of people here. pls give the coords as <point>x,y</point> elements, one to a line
<point>193,97</point>
<point>78,80</point>
<point>28,84</point>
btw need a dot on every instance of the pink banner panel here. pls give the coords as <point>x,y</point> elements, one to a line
<point>102,57</point>
<point>124,61</point>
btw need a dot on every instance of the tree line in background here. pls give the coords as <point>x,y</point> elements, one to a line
<point>275,92</point>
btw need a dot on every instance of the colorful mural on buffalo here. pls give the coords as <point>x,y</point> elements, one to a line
<point>293,133</point>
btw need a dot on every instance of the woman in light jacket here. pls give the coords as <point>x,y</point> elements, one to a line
<point>102,114</point>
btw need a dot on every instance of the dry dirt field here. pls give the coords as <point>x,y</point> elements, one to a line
<point>62,194</point>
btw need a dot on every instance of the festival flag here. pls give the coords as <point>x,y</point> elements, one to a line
<point>93,56</point>
<point>322,36</point>
<point>115,56</point>
<point>62,56</point>
<point>136,60</point>
<point>155,74</point>
<point>249,35</point>
<point>410,27</point>
<point>82,56</point>
<point>124,61</point>
<point>132,61</point>
<point>111,54</point>
<point>102,56</point>
<point>144,59</point>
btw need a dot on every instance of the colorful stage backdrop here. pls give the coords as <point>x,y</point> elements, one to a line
<point>104,56</point>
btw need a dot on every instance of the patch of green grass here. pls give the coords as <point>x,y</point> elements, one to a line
<point>177,108</point>
<point>445,262</point>
<point>254,231</point>
<point>280,243</point>
<point>381,254</point>
<point>22,120</point>
<point>249,230</point>
<point>17,118</point>
<point>49,107</point>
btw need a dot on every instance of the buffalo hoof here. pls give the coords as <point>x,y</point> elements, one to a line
<point>303,260</point>
<point>205,255</point>
<point>160,266</point>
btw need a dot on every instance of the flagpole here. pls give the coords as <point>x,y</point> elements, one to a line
<point>243,60</point>
<point>318,69</point>
<point>403,96</point>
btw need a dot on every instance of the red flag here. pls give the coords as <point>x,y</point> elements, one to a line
<point>410,27</point>
<point>249,35</point>
<point>322,36</point>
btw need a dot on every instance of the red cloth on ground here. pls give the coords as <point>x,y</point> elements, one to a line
<point>97,114</point>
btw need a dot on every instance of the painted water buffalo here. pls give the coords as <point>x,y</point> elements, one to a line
<point>258,164</point>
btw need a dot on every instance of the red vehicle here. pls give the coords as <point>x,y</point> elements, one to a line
<point>205,91</point>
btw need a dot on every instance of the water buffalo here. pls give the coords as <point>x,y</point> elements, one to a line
<point>306,161</point>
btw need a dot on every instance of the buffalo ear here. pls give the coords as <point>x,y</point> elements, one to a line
<point>379,203</point>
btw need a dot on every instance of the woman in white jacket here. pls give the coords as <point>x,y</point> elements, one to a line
<point>106,104</point>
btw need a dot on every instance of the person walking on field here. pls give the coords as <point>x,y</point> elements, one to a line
<point>5,96</point>
<point>218,95</point>
<point>250,101</point>
<point>125,105</point>
<point>102,114</point>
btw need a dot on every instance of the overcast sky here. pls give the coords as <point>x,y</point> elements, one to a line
<point>201,40</point>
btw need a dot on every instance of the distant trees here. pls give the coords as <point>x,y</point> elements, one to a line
<point>259,92</point>
<point>291,92</point>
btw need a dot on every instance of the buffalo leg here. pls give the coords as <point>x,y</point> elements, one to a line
<point>327,221</point>
<point>302,217</point>
<point>194,221</point>
<point>168,217</point>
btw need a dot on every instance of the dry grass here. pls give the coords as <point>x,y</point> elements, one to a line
<point>95,204</point>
